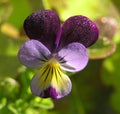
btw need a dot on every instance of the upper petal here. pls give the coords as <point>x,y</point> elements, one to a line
<point>78,29</point>
<point>33,54</point>
<point>43,25</point>
<point>73,57</point>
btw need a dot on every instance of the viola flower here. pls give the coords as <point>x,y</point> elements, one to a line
<point>54,48</point>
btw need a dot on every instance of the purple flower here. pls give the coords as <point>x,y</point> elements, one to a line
<point>53,48</point>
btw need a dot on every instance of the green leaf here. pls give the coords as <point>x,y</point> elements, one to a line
<point>42,103</point>
<point>18,107</point>
<point>25,79</point>
<point>103,48</point>
<point>3,102</point>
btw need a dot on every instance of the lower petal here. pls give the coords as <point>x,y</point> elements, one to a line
<point>62,84</point>
<point>50,81</point>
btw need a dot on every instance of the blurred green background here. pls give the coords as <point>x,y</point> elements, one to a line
<point>96,89</point>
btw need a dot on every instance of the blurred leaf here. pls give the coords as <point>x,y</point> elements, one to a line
<point>35,111</point>
<point>8,56</point>
<point>102,48</point>
<point>9,46</point>
<point>25,79</point>
<point>36,5</point>
<point>9,66</point>
<point>117,4</point>
<point>5,110</point>
<point>9,88</point>
<point>3,102</point>
<point>115,100</point>
<point>18,107</point>
<point>20,12</point>
<point>42,103</point>
<point>4,7</point>
<point>67,8</point>
<point>111,77</point>
<point>9,30</point>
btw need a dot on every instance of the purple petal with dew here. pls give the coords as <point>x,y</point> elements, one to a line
<point>50,81</point>
<point>33,54</point>
<point>44,26</point>
<point>73,57</point>
<point>78,29</point>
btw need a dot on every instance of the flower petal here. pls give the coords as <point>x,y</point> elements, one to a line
<point>78,29</point>
<point>43,25</point>
<point>73,57</point>
<point>61,83</point>
<point>50,81</point>
<point>33,54</point>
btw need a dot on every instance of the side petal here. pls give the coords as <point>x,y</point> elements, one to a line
<point>43,25</point>
<point>73,57</point>
<point>33,54</point>
<point>51,82</point>
<point>79,29</point>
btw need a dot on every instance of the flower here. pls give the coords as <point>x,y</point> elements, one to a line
<point>53,48</point>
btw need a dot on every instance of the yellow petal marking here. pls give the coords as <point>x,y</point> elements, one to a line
<point>50,73</point>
